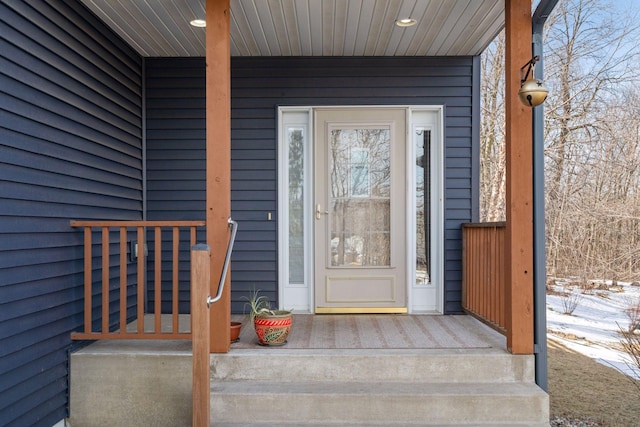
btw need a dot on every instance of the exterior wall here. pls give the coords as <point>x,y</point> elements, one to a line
<point>70,148</point>
<point>259,86</point>
<point>175,154</point>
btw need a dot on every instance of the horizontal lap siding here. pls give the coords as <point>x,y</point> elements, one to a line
<point>460,199</point>
<point>176,159</point>
<point>175,110</point>
<point>70,148</point>
<point>175,129</point>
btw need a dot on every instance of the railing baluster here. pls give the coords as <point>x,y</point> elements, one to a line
<point>88,280</point>
<point>495,277</point>
<point>502,317</point>
<point>192,242</point>
<point>175,282</point>
<point>140,258</point>
<point>192,235</point>
<point>157,269</point>
<point>123,280</point>
<point>500,261</point>
<point>105,279</point>
<point>487,276</point>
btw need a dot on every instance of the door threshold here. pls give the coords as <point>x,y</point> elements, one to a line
<point>361,310</point>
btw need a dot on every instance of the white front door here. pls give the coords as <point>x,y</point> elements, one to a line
<point>360,191</point>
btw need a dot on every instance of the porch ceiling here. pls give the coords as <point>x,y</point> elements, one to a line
<point>309,27</point>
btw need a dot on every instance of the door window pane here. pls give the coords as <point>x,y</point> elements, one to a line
<point>423,207</point>
<point>295,139</point>
<point>359,203</point>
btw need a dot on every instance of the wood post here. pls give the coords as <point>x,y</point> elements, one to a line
<point>200,279</point>
<point>519,180</point>
<point>218,105</point>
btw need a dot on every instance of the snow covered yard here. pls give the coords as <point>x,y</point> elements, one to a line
<point>599,311</point>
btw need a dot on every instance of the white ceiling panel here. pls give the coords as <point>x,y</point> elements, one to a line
<point>309,27</point>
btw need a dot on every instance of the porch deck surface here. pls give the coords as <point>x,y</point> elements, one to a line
<point>366,331</point>
<point>383,331</point>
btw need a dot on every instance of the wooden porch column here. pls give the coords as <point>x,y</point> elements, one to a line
<point>218,104</point>
<point>519,182</point>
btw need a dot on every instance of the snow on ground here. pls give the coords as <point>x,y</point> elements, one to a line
<point>593,328</point>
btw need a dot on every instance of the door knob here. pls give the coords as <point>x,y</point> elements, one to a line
<point>319,212</point>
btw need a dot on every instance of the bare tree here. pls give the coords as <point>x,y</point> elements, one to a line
<point>592,139</point>
<point>588,60</point>
<point>492,133</point>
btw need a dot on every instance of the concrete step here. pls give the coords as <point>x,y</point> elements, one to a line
<point>428,366</point>
<point>385,424</point>
<point>383,403</point>
<point>149,383</point>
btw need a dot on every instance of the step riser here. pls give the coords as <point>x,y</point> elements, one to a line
<point>385,424</point>
<point>415,368</point>
<point>452,410</point>
<point>130,390</point>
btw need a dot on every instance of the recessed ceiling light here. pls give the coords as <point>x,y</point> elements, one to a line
<point>198,23</point>
<point>406,22</point>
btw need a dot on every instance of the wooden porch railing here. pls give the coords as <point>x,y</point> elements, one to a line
<point>116,251</point>
<point>483,273</point>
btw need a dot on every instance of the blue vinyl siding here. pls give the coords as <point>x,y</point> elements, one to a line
<point>176,158</point>
<point>70,148</point>
<point>175,128</point>
<point>175,143</point>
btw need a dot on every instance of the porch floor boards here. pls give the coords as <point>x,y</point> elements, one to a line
<point>364,331</point>
<point>380,331</point>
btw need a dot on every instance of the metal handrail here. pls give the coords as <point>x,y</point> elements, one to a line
<point>227,259</point>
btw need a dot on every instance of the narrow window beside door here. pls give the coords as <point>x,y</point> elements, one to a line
<point>423,207</point>
<point>295,138</point>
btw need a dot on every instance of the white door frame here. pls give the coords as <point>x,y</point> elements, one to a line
<point>298,295</point>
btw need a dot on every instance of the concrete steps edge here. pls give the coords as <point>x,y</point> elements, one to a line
<point>408,403</point>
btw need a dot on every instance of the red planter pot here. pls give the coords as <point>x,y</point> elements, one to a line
<point>273,329</point>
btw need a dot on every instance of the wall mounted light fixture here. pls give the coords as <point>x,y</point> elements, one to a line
<point>532,91</point>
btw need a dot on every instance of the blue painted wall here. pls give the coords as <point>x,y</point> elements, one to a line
<point>70,148</point>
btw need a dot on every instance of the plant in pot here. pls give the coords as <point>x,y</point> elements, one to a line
<point>272,326</point>
<point>234,331</point>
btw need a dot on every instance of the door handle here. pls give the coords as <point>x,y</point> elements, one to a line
<point>319,212</point>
